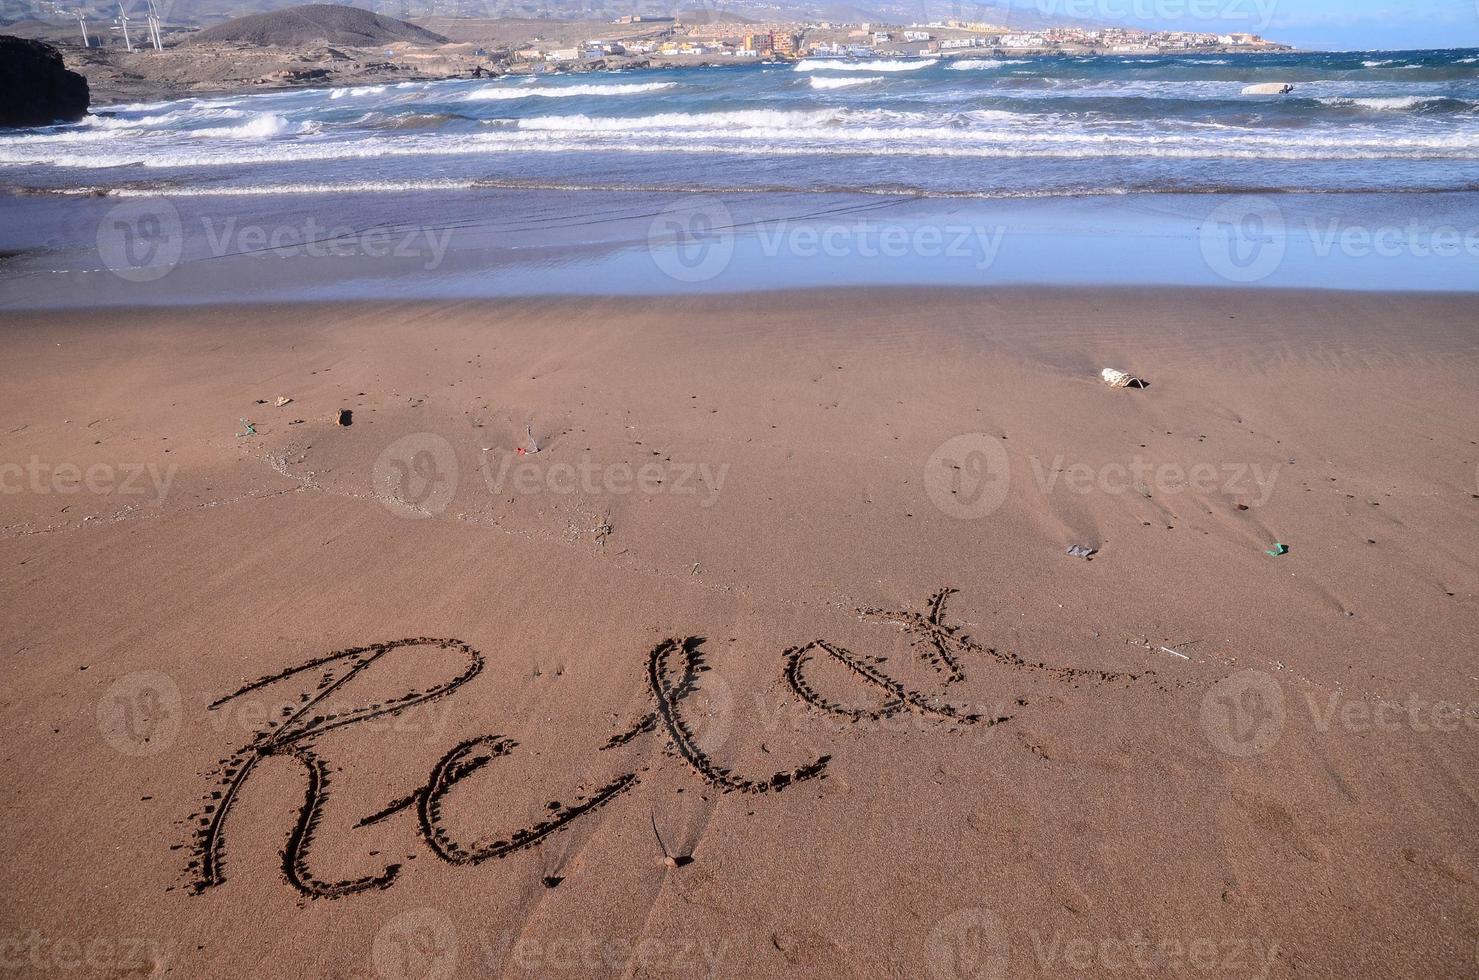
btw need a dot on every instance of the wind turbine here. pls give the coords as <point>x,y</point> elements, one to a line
<point>123,19</point>
<point>82,22</point>
<point>154,34</point>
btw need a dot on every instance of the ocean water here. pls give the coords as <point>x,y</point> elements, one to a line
<point>977,126</point>
<point>600,154</point>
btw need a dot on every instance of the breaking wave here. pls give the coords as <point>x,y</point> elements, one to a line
<point>498,93</point>
<point>982,64</point>
<point>823,82</point>
<point>357,91</point>
<point>824,64</point>
<point>262,125</point>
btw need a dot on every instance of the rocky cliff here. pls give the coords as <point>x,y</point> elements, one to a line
<point>36,89</point>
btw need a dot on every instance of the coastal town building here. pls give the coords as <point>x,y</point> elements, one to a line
<point>672,38</point>
<point>786,44</point>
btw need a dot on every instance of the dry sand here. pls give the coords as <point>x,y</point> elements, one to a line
<point>1017,778</point>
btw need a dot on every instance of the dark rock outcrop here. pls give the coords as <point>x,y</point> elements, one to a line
<point>36,89</point>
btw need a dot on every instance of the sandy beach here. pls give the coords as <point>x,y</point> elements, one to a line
<point>769,662</point>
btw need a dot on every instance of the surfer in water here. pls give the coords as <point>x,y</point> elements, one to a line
<point>1269,88</point>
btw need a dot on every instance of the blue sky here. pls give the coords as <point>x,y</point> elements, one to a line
<point>1332,24</point>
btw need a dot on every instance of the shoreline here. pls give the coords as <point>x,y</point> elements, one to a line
<point>262,249</point>
<point>783,296</point>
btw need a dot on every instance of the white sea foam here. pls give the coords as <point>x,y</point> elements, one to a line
<point>60,136</point>
<point>983,64</point>
<point>316,187</point>
<point>262,125</point>
<point>141,106</point>
<point>823,82</point>
<point>920,142</point>
<point>716,122</point>
<point>825,64</point>
<point>103,127</point>
<point>506,92</point>
<point>162,120</point>
<point>357,91</point>
<point>226,103</point>
<point>406,186</point>
<point>1392,103</point>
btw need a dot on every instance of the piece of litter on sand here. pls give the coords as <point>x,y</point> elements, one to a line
<point>251,429</point>
<point>533,446</point>
<point>1155,647</point>
<point>602,531</point>
<point>1119,379</point>
<point>345,417</point>
<point>282,400</point>
<point>1277,551</point>
<point>1081,551</point>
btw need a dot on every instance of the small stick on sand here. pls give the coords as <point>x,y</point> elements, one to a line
<point>668,859</point>
<point>1162,649</point>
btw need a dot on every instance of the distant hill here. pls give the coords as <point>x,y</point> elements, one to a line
<point>460,17</point>
<point>314,24</point>
<point>699,16</point>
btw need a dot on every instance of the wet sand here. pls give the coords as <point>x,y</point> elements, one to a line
<point>783,598</point>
